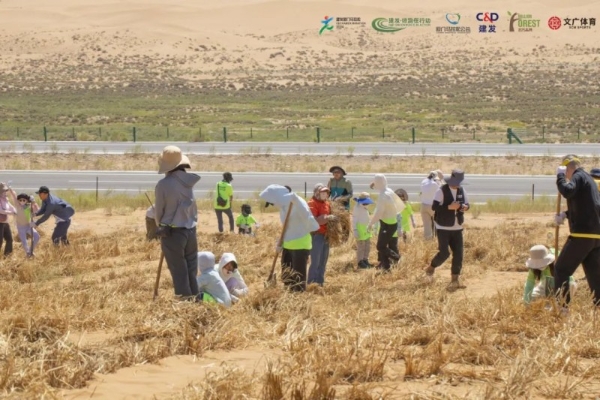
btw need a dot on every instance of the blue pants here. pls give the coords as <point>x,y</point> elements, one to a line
<point>60,233</point>
<point>318,259</point>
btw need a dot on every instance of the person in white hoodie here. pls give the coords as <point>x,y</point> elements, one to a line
<point>429,187</point>
<point>388,207</point>
<point>228,270</point>
<point>297,241</point>
<point>210,281</point>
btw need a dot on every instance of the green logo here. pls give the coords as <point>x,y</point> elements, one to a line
<point>326,25</point>
<point>379,24</point>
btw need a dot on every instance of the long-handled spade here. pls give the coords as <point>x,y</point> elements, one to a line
<point>160,263</point>
<point>556,232</point>
<point>271,280</point>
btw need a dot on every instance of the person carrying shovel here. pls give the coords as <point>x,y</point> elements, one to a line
<point>583,244</point>
<point>295,242</point>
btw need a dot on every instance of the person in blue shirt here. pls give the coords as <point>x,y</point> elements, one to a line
<point>60,209</point>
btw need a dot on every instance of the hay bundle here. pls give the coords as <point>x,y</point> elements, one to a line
<point>338,231</point>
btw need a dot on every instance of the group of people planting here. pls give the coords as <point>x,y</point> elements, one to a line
<point>306,223</point>
<point>24,208</point>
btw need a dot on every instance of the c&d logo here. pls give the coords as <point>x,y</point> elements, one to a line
<point>488,21</point>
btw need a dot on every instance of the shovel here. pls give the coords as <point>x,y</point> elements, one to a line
<point>160,263</point>
<point>271,280</point>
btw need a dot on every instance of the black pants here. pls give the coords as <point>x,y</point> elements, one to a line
<point>578,251</point>
<point>387,244</point>
<point>293,269</point>
<point>61,230</point>
<point>181,254</point>
<point>454,241</point>
<point>6,235</point>
<point>220,218</point>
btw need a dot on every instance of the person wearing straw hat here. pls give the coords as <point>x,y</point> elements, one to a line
<point>360,222</point>
<point>6,209</point>
<point>449,204</point>
<point>176,216</point>
<point>340,187</point>
<point>429,187</point>
<point>541,269</point>
<point>583,244</point>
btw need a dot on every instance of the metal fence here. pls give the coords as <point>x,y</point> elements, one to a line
<point>122,133</point>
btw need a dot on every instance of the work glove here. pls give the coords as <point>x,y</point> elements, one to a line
<point>559,219</point>
<point>331,217</point>
<point>561,170</point>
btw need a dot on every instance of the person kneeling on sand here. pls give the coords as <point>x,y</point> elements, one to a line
<point>541,271</point>
<point>228,270</point>
<point>211,287</point>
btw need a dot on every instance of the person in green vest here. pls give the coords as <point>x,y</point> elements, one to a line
<point>360,222</point>
<point>245,221</point>
<point>540,280</point>
<point>223,201</point>
<point>407,215</point>
<point>340,187</point>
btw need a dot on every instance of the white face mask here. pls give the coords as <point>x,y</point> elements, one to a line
<point>323,196</point>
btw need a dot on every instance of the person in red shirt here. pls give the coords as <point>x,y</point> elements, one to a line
<point>321,210</point>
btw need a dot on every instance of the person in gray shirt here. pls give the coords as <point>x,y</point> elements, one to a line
<point>176,216</point>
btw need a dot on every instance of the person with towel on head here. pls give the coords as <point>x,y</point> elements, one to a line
<point>176,216</point>
<point>297,240</point>
<point>386,213</point>
<point>340,187</point>
<point>360,223</point>
<point>230,273</point>
<point>450,204</point>
<point>429,187</point>
<point>540,279</point>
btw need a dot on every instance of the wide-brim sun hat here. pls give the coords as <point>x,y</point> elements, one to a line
<point>171,158</point>
<point>456,177</point>
<point>332,169</point>
<point>539,257</point>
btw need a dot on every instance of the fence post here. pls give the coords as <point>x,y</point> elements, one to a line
<point>509,135</point>
<point>134,135</point>
<point>96,190</point>
<point>200,133</point>
<point>578,132</point>
<point>100,131</point>
<point>250,133</point>
<point>532,192</point>
<point>473,133</point>
<point>45,134</point>
<point>413,134</point>
<point>17,131</point>
<point>73,132</point>
<point>167,131</point>
<point>443,131</point>
<point>544,132</point>
<point>224,135</point>
<point>318,135</point>
<point>287,133</point>
<point>383,133</point>
<point>352,134</point>
<point>305,190</point>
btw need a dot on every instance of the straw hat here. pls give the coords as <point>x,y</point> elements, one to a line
<point>170,159</point>
<point>4,187</point>
<point>539,257</point>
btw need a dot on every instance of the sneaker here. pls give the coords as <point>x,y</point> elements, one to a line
<point>429,271</point>
<point>455,284</point>
<point>362,265</point>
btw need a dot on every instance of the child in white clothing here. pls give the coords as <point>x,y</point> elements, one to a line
<point>25,206</point>
<point>360,222</point>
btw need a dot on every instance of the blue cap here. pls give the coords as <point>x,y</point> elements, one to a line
<point>366,201</point>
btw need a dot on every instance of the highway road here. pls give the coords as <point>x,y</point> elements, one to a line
<point>285,148</point>
<point>479,188</point>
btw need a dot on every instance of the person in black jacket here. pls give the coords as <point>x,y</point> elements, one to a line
<point>583,244</point>
<point>449,205</point>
